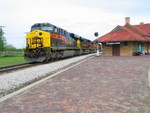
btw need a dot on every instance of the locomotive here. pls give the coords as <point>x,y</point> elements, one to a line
<point>47,42</point>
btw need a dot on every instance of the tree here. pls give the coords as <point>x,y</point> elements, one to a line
<point>9,47</point>
<point>2,40</point>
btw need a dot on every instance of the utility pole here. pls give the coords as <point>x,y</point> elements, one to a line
<point>1,27</point>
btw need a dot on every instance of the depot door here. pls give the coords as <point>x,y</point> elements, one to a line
<point>116,50</point>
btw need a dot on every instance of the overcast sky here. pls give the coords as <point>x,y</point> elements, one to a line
<point>83,17</point>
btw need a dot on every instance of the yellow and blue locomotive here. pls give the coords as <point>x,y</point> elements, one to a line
<point>47,42</point>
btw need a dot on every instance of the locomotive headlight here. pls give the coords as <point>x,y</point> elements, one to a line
<point>36,33</point>
<point>40,33</point>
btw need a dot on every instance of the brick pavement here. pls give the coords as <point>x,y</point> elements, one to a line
<point>100,85</point>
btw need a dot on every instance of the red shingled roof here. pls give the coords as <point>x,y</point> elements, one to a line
<point>145,28</point>
<point>128,33</point>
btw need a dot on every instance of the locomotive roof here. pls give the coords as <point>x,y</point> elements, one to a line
<point>46,24</point>
<point>49,24</point>
<point>40,24</point>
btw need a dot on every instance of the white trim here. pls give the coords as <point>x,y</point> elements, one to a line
<point>112,43</point>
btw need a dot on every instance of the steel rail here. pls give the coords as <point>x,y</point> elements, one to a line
<point>14,67</point>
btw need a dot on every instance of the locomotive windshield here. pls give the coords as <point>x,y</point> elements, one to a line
<point>42,26</point>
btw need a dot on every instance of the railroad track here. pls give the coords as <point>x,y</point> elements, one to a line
<point>9,68</point>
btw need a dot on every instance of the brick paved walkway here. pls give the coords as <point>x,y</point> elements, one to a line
<point>101,85</point>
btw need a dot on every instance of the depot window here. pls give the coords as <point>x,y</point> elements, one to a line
<point>125,43</point>
<point>107,45</point>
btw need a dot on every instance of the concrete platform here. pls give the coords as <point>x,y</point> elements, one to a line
<point>99,85</point>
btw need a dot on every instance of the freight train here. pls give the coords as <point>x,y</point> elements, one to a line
<point>47,42</point>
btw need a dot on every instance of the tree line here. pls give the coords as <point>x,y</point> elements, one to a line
<point>3,44</point>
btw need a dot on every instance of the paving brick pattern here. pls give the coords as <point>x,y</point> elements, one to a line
<point>100,85</point>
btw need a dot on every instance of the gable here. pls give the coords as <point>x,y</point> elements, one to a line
<point>118,29</point>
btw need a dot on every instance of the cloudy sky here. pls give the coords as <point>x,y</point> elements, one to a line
<point>83,17</point>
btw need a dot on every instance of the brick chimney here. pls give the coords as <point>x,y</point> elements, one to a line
<point>141,23</point>
<point>127,20</point>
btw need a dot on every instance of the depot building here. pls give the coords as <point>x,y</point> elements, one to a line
<point>127,40</point>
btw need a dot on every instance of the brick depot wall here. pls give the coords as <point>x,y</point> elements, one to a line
<point>126,50</point>
<point>149,47</point>
<point>107,50</point>
<point>146,47</point>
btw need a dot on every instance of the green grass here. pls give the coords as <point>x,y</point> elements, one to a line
<point>11,60</point>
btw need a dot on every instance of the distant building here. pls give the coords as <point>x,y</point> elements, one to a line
<point>127,40</point>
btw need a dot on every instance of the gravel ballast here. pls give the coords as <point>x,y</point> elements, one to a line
<point>10,82</point>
